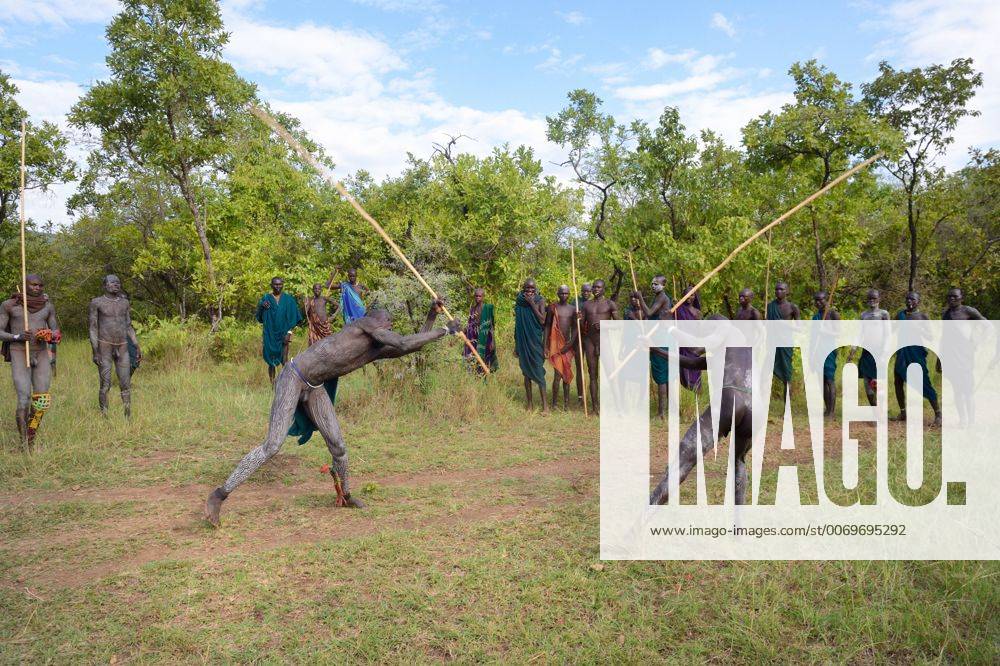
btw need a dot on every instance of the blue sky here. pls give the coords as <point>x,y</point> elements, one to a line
<point>373,79</point>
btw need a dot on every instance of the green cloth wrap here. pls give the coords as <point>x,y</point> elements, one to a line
<point>485,331</point>
<point>659,367</point>
<point>830,364</point>
<point>278,320</point>
<point>302,425</point>
<point>528,340</point>
<point>782,355</point>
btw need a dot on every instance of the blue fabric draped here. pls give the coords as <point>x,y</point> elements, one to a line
<point>350,303</point>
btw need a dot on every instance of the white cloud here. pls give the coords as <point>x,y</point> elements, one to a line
<point>709,94</point>
<point>926,32</point>
<point>364,102</point>
<point>58,12</point>
<point>50,100</point>
<point>723,110</point>
<point>47,100</point>
<point>402,5</point>
<point>665,90</point>
<point>557,62</point>
<point>319,58</point>
<point>573,18</point>
<point>657,58</point>
<point>703,73</point>
<point>720,22</point>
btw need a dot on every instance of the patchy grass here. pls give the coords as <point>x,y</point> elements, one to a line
<point>480,543</point>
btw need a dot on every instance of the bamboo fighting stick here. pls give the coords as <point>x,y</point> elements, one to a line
<point>829,297</point>
<point>579,334</point>
<point>767,271</point>
<point>24,266</point>
<point>635,285</point>
<point>268,120</point>
<point>739,248</point>
<point>802,204</point>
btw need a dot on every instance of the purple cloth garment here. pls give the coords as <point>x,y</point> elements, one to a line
<point>690,379</point>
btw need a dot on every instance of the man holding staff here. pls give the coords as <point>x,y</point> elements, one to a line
<point>302,387</point>
<point>33,375</point>
<point>595,311</point>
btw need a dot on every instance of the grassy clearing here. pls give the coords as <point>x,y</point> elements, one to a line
<point>480,543</point>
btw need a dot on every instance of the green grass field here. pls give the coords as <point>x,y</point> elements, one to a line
<point>480,542</point>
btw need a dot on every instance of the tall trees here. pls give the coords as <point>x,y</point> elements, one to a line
<point>925,104</point>
<point>598,154</point>
<point>170,102</point>
<point>817,136</point>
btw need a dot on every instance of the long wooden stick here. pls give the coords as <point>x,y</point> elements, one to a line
<point>767,271</point>
<point>314,163</point>
<point>579,333</point>
<point>24,266</point>
<point>805,202</point>
<point>829,298</point>
<point>635,285</point>
<point>802,204</point>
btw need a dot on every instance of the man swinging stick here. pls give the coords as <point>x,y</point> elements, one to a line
<point>31,383</point>
<point>301,384</point>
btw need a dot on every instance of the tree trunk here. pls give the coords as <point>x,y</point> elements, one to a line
<point>911,222</point>
<point>215,313</point>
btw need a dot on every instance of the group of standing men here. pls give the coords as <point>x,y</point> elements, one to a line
<point>279,313</point>
<point>30,347</point>
<point>549,332</point>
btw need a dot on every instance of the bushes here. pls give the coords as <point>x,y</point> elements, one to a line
<point>190,343</point>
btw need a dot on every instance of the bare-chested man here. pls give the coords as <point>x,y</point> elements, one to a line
<point>747,311</point>
<point>318,313</point>
<point>31,383</point>
<point>560,342</point>
<point>866,365</point>
<point>595,311</point>
<point>301,383</point>
<point>962,355</point>
<point>110,332</point>
<point>956,310</point>
<point>782,308</point>
<point>821,298</point>
<point>658,366</point>
<point>913,354</point>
